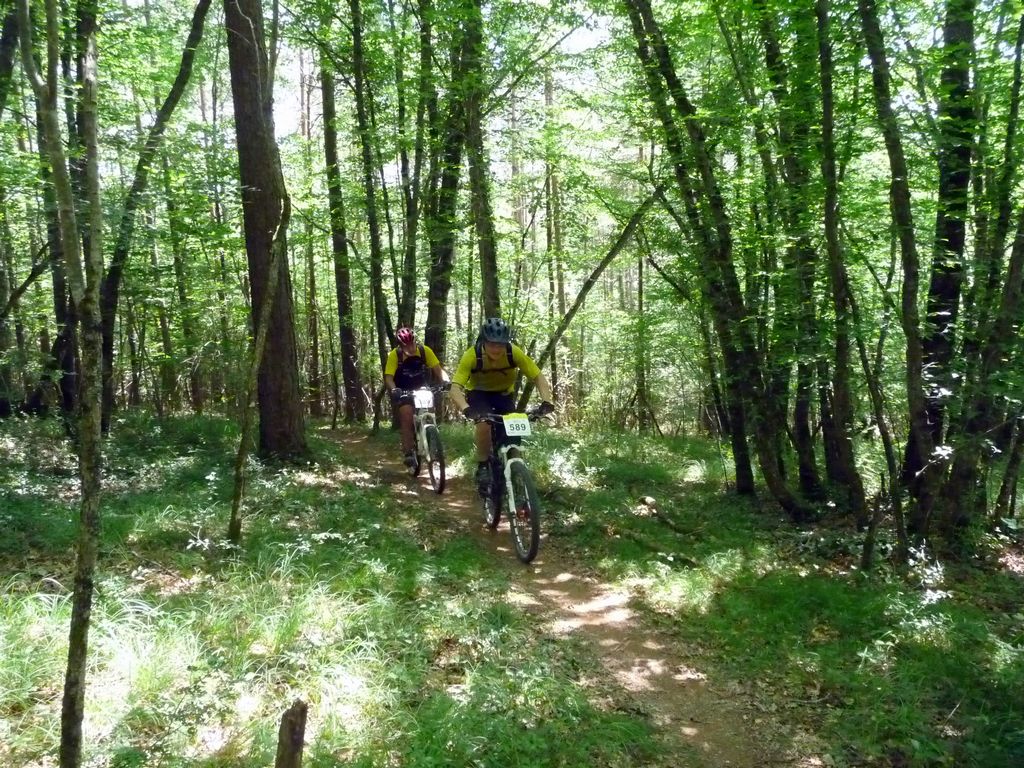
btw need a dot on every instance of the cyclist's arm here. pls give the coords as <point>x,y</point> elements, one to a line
<point>461,378</point>
<point>544,388</point>
<point>390,368</point>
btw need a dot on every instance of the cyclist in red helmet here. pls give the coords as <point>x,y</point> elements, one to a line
<point>485,380</point>
<point>409,366</point>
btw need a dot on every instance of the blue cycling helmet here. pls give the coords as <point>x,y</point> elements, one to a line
<point>495,329</point>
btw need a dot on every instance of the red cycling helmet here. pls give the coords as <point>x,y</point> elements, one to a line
<point>405,336</point>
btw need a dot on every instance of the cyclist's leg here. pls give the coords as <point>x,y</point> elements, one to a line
<point>481,401</point>
<point>403,406</point>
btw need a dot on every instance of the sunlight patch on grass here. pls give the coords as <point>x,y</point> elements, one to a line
<point>669,587</point>
<point>1005,656</point>
<point>565,466</point>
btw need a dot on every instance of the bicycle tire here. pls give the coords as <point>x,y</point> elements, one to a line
<point>490,505</point>
<point>524,520</point>
<point>435,458</point>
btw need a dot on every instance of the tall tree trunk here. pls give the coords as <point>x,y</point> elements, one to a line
<point>381,313</point>
<point>846,474</point>
<point>414,188</point>
<point>955,127</point>
<point>188,332</point>
<point>264,204</point>
<point>479,168</point>
<point>903,222</point>
<point>167,396</point>
<point>83,280</point>
<point>442,223</point>
<point>744,375</point>
<point>355,404</point>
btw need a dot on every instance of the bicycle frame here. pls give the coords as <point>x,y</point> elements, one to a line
<point>506,462</point>
<point>421,417</point>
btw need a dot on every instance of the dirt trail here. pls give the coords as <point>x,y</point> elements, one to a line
<point>707,725</point>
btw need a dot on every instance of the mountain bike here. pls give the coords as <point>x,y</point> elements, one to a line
<point>511,482</point>
<point>429,449</point>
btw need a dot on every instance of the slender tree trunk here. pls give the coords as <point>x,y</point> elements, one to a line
<point>355,405</point>
<point>84,279</point>
<point>903,222</point>
<point>314,385</point>
<point>188,333</point>
<point>264,205</point>
<point>744,375</point>
<point>167,397</point>
<point>846,474</point>
<point>381,314</point>
<point>624,238</point>
<point>1008,486</point>
<point>442,224</point>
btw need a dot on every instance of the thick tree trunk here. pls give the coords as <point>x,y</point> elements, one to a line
<point>955,126</point>
<point>264,201</point>
<point>479,167</point>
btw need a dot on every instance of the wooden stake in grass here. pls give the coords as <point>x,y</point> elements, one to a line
<point>291,736</point>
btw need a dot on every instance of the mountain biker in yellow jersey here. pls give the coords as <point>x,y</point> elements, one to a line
<point>485,379</point>
<point>408,367</point>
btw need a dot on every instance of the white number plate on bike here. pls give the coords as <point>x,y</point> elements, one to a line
<point>516,424</point>
<point>423,398</point>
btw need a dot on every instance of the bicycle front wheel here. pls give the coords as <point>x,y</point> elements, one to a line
<point>525,515</point>
<point>435,458</point>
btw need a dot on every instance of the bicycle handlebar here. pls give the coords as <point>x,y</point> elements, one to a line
<point>496,418</point>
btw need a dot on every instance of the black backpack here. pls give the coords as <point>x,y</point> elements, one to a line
<point>414,375</point>
<point>479,349</point>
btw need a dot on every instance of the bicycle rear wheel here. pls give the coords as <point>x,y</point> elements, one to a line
<point>524,518</point>
<point>435,458</point>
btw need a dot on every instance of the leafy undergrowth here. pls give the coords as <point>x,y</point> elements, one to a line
<point>407,651</point>
<point>925,671</point>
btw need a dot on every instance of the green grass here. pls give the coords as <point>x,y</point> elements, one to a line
<point>397,634</point>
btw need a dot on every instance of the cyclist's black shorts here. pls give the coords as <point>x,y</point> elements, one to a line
<point>492,402</point>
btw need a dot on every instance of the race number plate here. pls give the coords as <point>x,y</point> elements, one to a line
<point>516,424</point>
<point>423,398</point>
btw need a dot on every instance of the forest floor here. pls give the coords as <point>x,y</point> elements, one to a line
<point>702,720</point>
<point>666,623</point>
